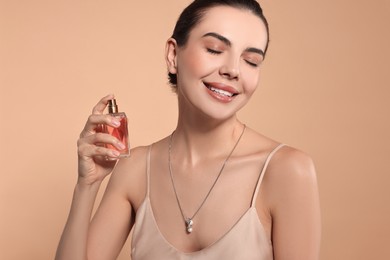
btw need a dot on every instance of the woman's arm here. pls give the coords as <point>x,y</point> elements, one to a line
<point>73,241</point>
<point>114,217</point>
<point>294,206</point>
<point>95,162</point>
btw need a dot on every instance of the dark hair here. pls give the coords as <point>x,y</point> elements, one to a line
<point>193,13</point>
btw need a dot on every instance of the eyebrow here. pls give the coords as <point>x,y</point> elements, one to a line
<point>229,43</point>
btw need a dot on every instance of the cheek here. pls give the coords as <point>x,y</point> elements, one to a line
<point>251,81</point>
<point>194,63</point>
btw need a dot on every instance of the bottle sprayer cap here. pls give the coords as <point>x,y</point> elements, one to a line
<point>112,106</point>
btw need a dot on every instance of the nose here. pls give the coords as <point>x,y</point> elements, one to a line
<point>230,69</point>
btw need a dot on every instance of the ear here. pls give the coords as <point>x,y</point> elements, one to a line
<point>171,55</point>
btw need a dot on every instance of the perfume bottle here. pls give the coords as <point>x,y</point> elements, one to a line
<point>121,133</point>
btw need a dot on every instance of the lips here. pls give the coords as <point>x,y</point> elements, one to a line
<point>221,91</point>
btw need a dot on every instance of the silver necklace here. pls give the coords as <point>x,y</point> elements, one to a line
<point>189,222</point>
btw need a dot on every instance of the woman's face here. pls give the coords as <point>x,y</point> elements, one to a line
<point>218,69</point>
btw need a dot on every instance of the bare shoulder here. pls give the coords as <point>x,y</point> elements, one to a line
<point>290,176</point>
<point>287,163</point>
<point>292,199</point>
<point>133,165</point>
<point>292,162</point>
<point>129,176</point>
<point>136,159</point>
<point>288,200</point>
<point>286,156</point>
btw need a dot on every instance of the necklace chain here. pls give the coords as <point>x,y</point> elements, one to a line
<point>189,221</point>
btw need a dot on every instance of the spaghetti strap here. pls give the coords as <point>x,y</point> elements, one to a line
<point>261,176</point>
<point>148,171</point>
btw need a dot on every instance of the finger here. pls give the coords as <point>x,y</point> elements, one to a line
<point>102,139</point>
<point>95,123</point>
<point>90,151</point>
<point>101,105</point>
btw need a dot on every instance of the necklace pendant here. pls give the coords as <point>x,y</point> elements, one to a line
<point>189,223</point>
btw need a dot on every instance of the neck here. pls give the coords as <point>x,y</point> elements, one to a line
<point>200,139</point>
<point>199,135</point>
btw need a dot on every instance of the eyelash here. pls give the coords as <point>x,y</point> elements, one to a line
<point>214,52</point>
<point>252,64</point>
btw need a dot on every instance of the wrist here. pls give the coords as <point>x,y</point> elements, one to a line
<point>88,181</point>
<point>85,194</point>
<point>87,184</point>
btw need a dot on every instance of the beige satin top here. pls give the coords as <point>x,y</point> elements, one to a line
<point>246,240</point>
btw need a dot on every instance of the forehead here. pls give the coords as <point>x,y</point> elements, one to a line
<point>238,25</point>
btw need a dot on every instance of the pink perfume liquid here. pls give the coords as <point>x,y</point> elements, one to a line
<point>121,133</point>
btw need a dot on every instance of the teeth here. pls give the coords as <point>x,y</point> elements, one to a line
<point>222,92</point>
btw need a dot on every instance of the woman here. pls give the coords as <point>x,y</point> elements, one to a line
<point>214,188</point>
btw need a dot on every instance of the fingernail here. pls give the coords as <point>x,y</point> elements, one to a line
<point>115,122</point>
<point>115,153</point>
<point>121,146</point>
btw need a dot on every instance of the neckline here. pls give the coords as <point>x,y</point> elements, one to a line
<point>147,203</point>
<point>252,207</point>
<point>189,219</point>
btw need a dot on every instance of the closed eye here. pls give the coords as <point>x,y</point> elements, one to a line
<point>252,63</point>
<point>212,51</point>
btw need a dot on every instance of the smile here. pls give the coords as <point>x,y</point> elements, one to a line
<point>222,90</point>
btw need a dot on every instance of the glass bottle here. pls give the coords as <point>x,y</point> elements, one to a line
<point>121,132</point>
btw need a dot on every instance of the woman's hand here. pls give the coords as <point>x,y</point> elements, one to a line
<point>95,161</point>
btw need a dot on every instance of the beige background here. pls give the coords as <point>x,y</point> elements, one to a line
<point>325,89</point>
